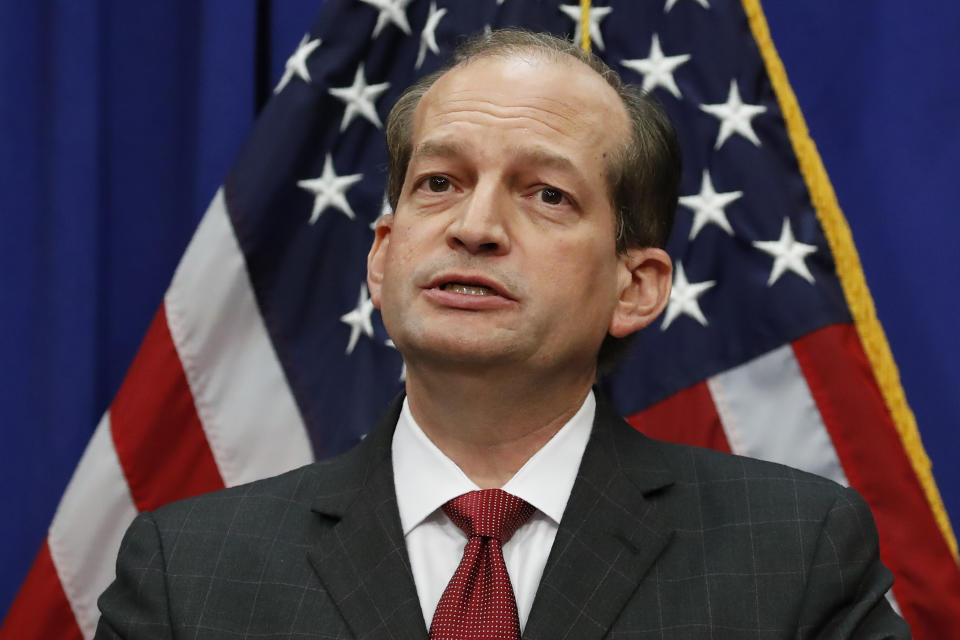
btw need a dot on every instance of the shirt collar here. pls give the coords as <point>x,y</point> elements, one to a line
<point>425,478</point>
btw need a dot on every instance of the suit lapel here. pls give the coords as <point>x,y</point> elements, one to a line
<point>609,537</point>
<point>361,559</point>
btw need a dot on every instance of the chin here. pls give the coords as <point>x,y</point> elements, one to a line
<point>465,351</point>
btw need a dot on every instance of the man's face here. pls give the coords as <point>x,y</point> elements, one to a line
<point>502,246</point>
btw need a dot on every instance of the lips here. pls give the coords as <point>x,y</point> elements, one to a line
<point>470,292</point>
<point>469,285</point>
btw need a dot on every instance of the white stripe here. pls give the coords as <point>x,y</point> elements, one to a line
<point>239,388</point>
<point>88,526</point>
<point>767,412</point>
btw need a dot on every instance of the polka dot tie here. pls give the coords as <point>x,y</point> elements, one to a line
<point>479,604</point>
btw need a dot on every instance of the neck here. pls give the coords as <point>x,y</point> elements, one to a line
<point>490,424</point>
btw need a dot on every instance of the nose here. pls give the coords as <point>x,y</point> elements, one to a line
<point>479,224</point>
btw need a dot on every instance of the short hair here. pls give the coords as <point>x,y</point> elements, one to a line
<point>643,175</point>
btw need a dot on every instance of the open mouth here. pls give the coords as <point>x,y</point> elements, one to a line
<point>469,292</point>
<point>468,289</point>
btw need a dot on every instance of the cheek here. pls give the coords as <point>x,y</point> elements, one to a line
<point>406,252</point>
<point>399,253</point>
<point>592,264</point>
<point>583,280</point>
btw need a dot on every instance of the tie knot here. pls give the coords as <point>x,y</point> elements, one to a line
<point>493,513</point>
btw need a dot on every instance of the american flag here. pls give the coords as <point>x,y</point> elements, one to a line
<point>267,354</point>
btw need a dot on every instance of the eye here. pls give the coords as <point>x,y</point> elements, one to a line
<point>438,184</point>
<point>552,196</point>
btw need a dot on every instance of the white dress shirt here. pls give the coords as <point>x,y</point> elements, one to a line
<point>425,478</point>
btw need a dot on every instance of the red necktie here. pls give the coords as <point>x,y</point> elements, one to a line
<point>479,604</point>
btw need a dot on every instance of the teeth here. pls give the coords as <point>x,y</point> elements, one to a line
<point>467,289</point>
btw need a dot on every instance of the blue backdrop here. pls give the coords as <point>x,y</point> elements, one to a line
<point>119,120</point>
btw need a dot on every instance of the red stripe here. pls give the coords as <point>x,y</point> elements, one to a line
<point>686,417</point>
<point>156,431</point>
<point>842,383</point>
<point>41,609</point>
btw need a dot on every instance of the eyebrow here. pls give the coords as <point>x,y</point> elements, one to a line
<point>437,149</point>
<point>531,156</point>
<point>544,158</point>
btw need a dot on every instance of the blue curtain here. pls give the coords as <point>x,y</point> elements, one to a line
<point>119,120</point>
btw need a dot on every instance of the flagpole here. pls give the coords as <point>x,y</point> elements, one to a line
<point>585,25</point>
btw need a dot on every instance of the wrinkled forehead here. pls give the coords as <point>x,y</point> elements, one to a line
<point>558,89</point>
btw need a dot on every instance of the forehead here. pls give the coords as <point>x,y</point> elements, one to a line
<point>532,94</point>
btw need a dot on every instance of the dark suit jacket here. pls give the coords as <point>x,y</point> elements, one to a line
<point>657,541</point>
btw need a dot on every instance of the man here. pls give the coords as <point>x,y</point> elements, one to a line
<point>532,196</point>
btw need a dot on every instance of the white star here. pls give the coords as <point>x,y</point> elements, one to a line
<point>787,254</point>
<point>596,14</point>
<point>359,98</point>
<point>329,189</point>
<point>657,69</point>
<point>683,299</point>
<point>394,11</point>
<point>359,319</point>
<point>734,116</point>
<point>428,37</point>
<point>703,3</point>
<point>708,206</point>
<point>297,62</point>
<point>403,367</point>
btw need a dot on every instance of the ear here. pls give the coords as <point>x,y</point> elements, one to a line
<point>646,276</point>
<point>377,257</point>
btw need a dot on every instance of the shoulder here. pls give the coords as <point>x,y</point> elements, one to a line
<point>268,494</point>
<point>741,487</point>
<point>804,547</point>
<point>715,473</point>
<point>286,497</point>
<point>780,513</point>
<point>696,465</point>
<point>728,485</point>
<point>338,478</point>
